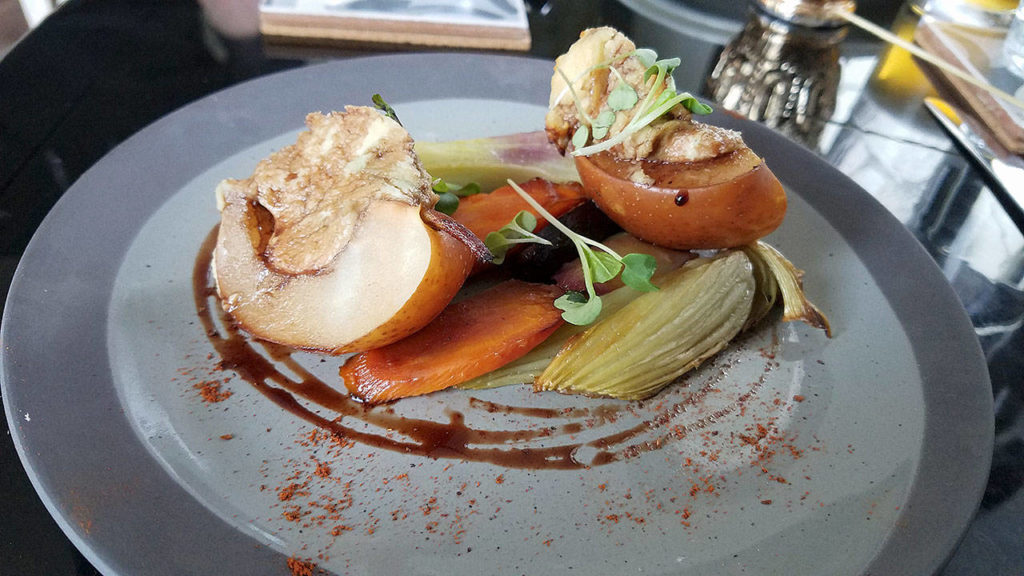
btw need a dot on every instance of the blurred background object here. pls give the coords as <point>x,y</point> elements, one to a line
<point>12,24</point>
<point>234,19</point>
<point>1013,48</point>
<point>808,12</point>
<point>396,24</point>
<point>979,76</point>
<point>781,73</point>
<point>978,13</point>
<point>36,10</point>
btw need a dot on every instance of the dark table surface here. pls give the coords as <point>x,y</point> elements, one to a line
<point>98,71</point>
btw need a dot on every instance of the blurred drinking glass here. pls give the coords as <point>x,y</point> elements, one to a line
<point>978,13</point>
<point>1013,47</point>
<point>813,13</point>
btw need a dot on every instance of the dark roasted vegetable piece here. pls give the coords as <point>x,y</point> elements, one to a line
<point>538,263</point>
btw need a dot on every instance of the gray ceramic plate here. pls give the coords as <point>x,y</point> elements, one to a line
<point>790,454</point>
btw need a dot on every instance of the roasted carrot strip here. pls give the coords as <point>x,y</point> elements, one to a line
<point>486,213</point>
<point>469,338</point>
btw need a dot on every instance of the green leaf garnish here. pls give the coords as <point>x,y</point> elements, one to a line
<point>664,97</point>
<point>648,112</point>
<point>524,223</point>
<point>380,104</point>
<point>578,309</point>
<point>637,272</point>
<point>602,123</point>
<point>662,68</point>
<point>440,186</point>
<point>696,106</point>
<point>580,137</point>
<point>655,104</point>
<point>598,266</point>
<point>450,193</point>
<point>646,56</point>
<point>518,231</point>
<point>447,203</point>
<point>603,266</point>
<point>623,97</point>
<point>465,190</point>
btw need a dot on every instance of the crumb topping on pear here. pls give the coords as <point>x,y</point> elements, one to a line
<point>599,62</point>
<point>591,86</point>
<point>329,245</point>
<point>317,189</point>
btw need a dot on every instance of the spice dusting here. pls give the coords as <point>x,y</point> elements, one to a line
<point>211,390</point>
<point>448,480</point>
<point>301,567</point>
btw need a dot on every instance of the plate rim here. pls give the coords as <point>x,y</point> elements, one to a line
<point>251,127</point>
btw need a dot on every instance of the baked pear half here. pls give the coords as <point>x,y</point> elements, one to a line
<point>643,157</point>
<point>332,244</point>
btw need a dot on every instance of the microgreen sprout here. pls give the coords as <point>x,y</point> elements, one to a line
<point>659,100</point>
<point>599,265</point>
<point>623,97</point>
<point>605,64</point>
<point>663,68</point>
<point>380,104</point>
<point>600,125</point>
<point>518,231</point>
<point>449,194</point>
<point>581,136</point>
<point>646,56</point>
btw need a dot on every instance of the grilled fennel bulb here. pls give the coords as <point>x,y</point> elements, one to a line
<point>643,342</point>
<point>660,335</point>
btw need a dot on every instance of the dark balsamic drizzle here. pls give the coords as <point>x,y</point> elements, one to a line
<point>269,375</point>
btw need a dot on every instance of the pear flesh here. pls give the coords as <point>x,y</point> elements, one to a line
<point>325,246</point>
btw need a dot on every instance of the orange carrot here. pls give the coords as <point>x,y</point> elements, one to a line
<point>486,213</point>
<point>471,337</point>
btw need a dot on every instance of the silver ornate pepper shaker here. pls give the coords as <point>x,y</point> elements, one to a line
<point>783,67</point>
